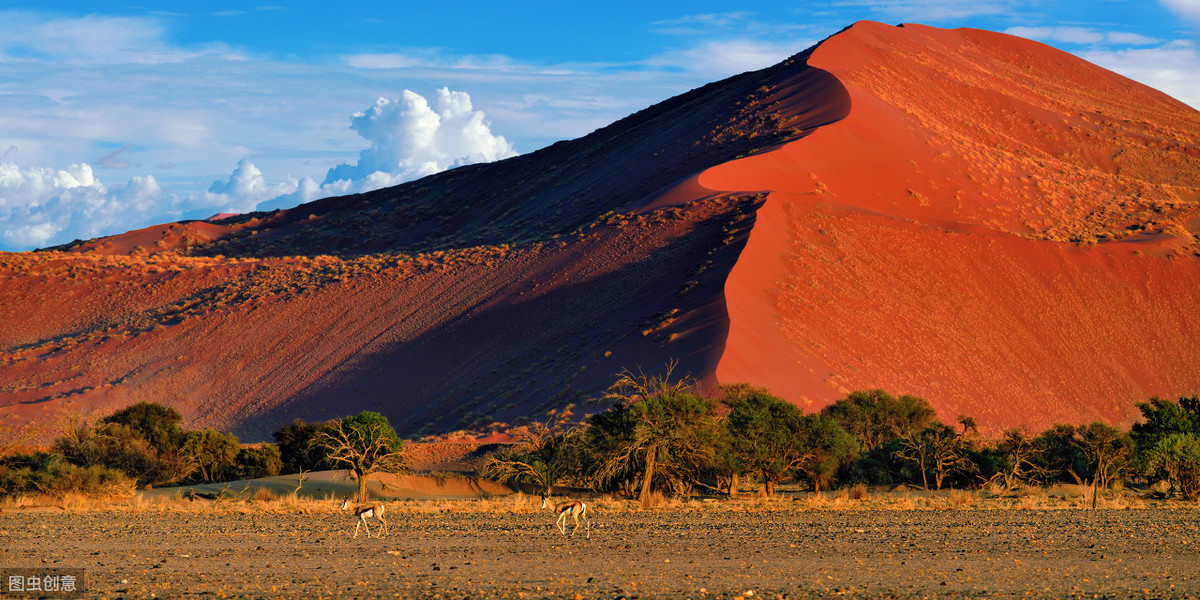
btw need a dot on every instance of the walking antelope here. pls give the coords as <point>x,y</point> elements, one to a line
<point>365,512</point>
<point>574,508</point>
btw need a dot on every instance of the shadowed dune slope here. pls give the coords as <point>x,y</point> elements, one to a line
<point>979,219</point>
<point>488,292</point>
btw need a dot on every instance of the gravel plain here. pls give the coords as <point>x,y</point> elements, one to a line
<point>678,553</point>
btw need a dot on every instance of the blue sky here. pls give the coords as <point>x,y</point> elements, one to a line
<point>118,115</point>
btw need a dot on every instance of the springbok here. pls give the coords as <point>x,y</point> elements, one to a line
<point>365,512</point>
<point>574,508</point>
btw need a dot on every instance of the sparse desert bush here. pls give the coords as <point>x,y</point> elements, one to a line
<point>263,494</point>
<point>858,491</point>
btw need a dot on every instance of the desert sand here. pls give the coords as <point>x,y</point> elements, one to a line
<point>692,551</point>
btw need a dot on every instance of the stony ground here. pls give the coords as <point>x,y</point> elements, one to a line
<point>682,553</point>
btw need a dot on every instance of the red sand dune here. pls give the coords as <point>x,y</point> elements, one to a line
<point>907,248</point>
<point>1000,227</point>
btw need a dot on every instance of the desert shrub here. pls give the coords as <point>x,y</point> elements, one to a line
<point>119,446</point>
<point>263,494</point>
<point>1015,458</point>
<point>298,448</point>
<point>606,434</point>
<point>1058,458</point>
<point>1109,452</point>
<point>1094,454</point>
<point>50,474</point>
<point>258,461</point>
<point>875,417</point>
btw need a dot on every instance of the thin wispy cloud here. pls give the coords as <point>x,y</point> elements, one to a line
<point>1188,9</point>
<point>1171,67</point>
<point>92,40</point>
<point>935,11</point>
<point>724,58</point>
<point>1081,36</point>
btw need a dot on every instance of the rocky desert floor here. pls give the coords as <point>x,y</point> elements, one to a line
<point>691,550</point>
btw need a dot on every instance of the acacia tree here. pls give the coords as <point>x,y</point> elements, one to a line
<point>548,453</point>
<point>674,431</point>
<point>769,435</point>
<point>1108,450</point>
<point>764,434</point>
<point>1160,419</point>
<point>364,444</point>
<point>1178,457</point>
<point>829,448</point>
<point>605,436</point>
<point>937,450</point>
<point>297,451</point>
<point>1059,455</point>
<point>214,452</point>
<point>875,417</point>
<point>1019,457</point>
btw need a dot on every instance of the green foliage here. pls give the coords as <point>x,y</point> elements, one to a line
<point>155,423</point>
<point>364,444</point>
<point>254,462</point>
<point>938,452</point>
<point>674,433</point>
<point>214,453</point>
<point>829,449</point>
<point>770,436</point>
<point>1109,451</point>
<point>1058,456</point>
<point>120,446</point>
<point>875,417</point>
<point>1163,418</point>
<point>50,474</point>
<point>550,452</point>
<point>1095,454</point>
<point>1178,456</point>
<point>298,448</point>
<point>1018,458</point>
<point>764,434</point>
<point>605,436</point>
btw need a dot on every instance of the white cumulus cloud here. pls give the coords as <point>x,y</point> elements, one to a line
<point>242,191</point>
<point>40,206</point>
<point>411,139</point>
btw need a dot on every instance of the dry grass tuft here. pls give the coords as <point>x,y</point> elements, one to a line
<point>854,498</point>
